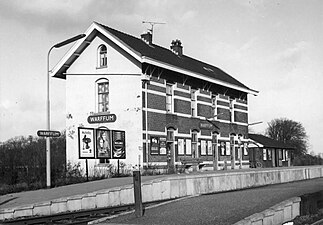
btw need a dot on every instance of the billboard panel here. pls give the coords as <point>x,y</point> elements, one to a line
<point>86,143</point>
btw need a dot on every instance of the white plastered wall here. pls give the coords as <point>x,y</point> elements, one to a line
<point>125,101</point>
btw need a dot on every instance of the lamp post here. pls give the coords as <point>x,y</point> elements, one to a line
<point>58,45</point>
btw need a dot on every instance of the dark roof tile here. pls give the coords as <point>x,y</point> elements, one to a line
<point>269,142</point>
<point>167,56</point>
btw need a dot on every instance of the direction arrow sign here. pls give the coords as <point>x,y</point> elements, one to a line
<point>48,133</point>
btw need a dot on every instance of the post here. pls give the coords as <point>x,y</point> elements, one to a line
<point>87,170</point>
<point>48,175</point>
<point>118,168</point>
<point>215,152</point>
<point>241,154</point>
<point>68,41</point>
<point>139,212</point>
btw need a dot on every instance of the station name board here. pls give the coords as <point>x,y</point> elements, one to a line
<point>107,118</point>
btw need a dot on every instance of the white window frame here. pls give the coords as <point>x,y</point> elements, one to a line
<point>193,102</point>
<point>102,57</point>
<point>169,98</point>
<point>97,94</point>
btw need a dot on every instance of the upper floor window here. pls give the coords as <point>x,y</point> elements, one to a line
<point>103,96</point>
<point>102,56</point>
<point>193,103</point>
<point>231,110</point>
<point>214,110</point>
<point>169,98</point>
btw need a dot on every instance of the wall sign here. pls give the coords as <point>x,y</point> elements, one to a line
<point>86,143</point>
<point>105,118</point>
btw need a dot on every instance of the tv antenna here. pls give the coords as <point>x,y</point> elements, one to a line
<point>152,25</point>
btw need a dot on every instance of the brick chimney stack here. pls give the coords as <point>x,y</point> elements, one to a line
<point>147,37</point>
<point>177,47</point>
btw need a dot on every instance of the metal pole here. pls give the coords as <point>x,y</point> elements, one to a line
<point>48,175</point>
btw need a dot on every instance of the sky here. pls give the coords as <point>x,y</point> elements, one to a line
<point>272,46</point>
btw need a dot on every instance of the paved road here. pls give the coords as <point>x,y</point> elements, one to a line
<point>222,208</point>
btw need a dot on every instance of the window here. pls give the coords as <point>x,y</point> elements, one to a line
<point>169,98</point>
<point>102,56</point>
<point>203,147</point>
<point>104,161</point>
<point>103,96</point>
<point>264,152</point>
<point>170,135</point>
<point>180,146</point>
<point>231,110</point>
<point>193,103</point>
<point>194,145</point>
<point>209,147</point>
<point>214,112</point>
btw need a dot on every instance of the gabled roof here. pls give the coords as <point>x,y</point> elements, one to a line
<point>156,55</point>
<point>267,142</point>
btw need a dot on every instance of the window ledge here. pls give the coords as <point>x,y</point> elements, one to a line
<point>101,67</point>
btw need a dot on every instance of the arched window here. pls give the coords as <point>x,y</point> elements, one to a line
<point>103,95</point>
<point>102,56</point>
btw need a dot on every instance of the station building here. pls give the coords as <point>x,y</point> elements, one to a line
<point>174,111</point>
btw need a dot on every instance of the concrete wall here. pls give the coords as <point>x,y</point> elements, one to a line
<point>275,215</point>
<point>174,187</point>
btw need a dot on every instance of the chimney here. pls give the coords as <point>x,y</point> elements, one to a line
<point>177,47</point>
<point>147,37</point>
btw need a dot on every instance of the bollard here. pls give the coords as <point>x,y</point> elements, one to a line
<point>139,212</point>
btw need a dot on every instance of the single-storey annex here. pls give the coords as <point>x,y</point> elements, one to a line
<point>267,152</point>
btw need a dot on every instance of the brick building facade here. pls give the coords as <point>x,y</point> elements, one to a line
<point>173,109</point>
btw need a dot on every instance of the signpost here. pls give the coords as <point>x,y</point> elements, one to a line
<point>48,133</point>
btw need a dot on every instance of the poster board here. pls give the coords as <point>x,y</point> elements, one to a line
<point>118,144</point>
<point>103,143</point>
<point>86,143</point>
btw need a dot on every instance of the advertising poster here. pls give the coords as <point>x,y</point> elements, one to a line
<point>154,145</point>
<point>118,144</point>
<point>86,143</point>
<point>103,144</point>
<point>162,145</point>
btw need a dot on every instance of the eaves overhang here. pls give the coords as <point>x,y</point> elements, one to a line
<point>196,75</point>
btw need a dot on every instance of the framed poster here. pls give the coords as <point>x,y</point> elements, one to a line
<point>162,142</point>
<point>103,144</point>
<point>154,145</point>
<point>118,144</point>
<point>86,143</point>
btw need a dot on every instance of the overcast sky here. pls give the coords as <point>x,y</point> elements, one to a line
<point>271,46</point>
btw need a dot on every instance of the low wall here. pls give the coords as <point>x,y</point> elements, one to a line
<point>167,188</point>
<point>275,215</point>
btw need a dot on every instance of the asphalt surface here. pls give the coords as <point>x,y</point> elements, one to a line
<point>221,208</point>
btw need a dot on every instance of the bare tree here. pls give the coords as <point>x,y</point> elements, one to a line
<point>289,132</point>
